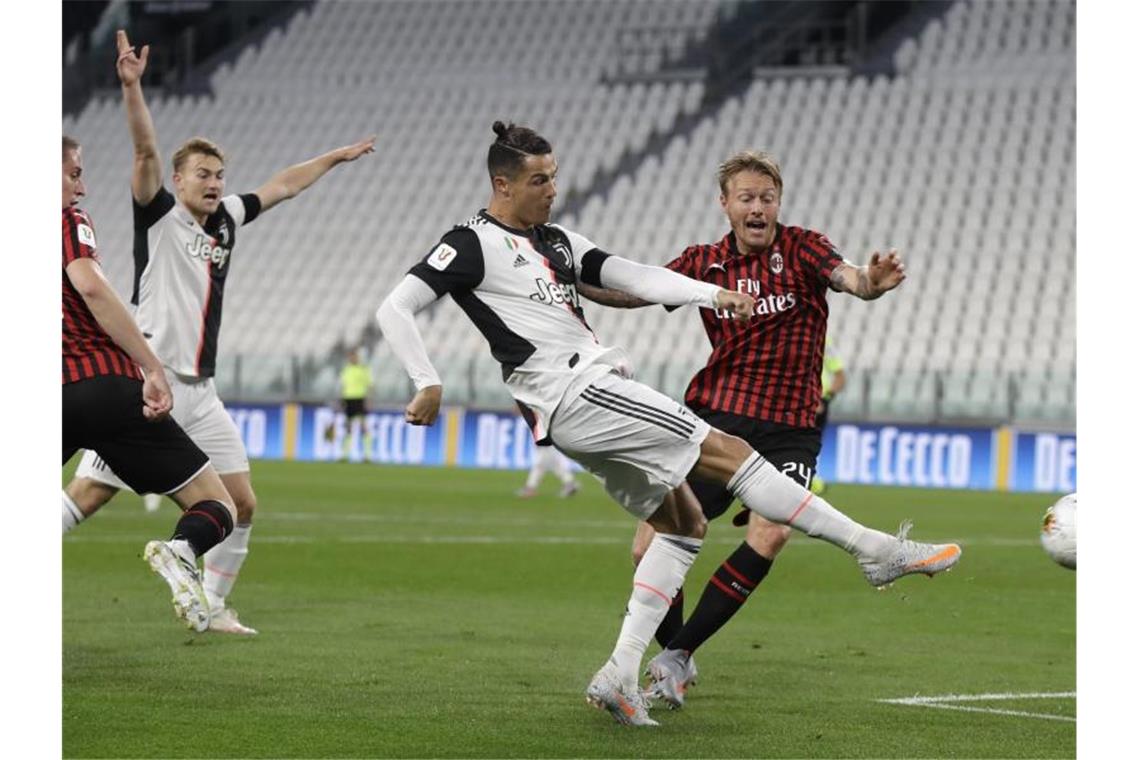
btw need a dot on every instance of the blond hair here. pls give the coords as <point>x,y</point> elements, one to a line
<point>197,145</point>
<point>750,161</point>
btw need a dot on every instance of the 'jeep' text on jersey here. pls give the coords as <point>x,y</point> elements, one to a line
<point>180,275</point>
<point>519,287</point>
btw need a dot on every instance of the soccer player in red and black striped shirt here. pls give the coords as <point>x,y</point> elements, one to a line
<point>761,382</point>
<point>116,401</point>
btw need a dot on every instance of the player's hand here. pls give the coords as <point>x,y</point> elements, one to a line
<point>157,398</point>
<point>353,152</point>
<point>740,305</point>
<point>885,272</point>
<point>424,406</point>
<point>129,65</point>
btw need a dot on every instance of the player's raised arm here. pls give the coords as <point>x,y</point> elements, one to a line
<point>146,177</point>
<point>868,282</point>
<point>290,182</point>
<point>660,285</point>
<point>397,320</point>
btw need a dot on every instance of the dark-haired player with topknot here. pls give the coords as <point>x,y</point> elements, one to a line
<point>519,278</point>
<point>116,402</point>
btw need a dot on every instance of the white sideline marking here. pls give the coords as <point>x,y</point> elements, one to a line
<point>944,701</point>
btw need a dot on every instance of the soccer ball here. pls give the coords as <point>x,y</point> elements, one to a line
<point>1059,531</point>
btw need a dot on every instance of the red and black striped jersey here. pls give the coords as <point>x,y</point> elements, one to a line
<point>88,351</point>
<point>769,367</point>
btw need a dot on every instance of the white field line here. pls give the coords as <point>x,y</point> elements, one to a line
<point>945,702</point>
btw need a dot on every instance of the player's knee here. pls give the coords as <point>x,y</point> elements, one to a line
<point>767,539</point>
<point>722,454</point>
<point>89,494</point>
<point>245,505</point>
<point>701,529</point>
<point>694,525</point>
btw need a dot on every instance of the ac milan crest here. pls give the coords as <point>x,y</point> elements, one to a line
<point>776,262</point>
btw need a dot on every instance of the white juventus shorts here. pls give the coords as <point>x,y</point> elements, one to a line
<point>198,411</point>
<point>640,443</point>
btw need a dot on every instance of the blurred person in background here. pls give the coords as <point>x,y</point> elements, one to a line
<point>355,382</point>
<point>548,459</point>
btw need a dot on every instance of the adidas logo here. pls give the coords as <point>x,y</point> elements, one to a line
<point>520,261</point>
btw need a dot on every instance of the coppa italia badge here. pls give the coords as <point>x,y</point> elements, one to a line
<point>776,262</point>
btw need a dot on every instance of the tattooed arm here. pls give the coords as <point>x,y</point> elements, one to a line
<point>868,282</point>
<point>618,299</point>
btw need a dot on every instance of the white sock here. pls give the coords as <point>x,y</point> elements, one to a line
<point>72,516</point>
<point>222,564</point>
<point>656,581</point>
<point>772,495</point>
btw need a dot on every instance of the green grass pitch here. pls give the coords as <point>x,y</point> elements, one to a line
<point>428,613</point>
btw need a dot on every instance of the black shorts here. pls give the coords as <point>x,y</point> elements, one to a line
<point>821,416</point>
<point>353,407</point>
<point>792,450</point>
<point>104,414</point>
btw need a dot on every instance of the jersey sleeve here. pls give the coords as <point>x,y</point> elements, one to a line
<point>685,264</point>
<point>454,265</point>
<point>146,216</point>
<point>78,237</point>
<point>243,208</point>
<point>819,254</point>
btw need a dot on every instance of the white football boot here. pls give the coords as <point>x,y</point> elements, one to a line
<point>225,620</point>
<point>907,557</point>
<point>671,673</point>
<point>181,574</point>
<point>606,692</point>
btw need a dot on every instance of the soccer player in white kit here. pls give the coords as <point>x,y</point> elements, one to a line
<point>519,279</point>
<point>548,459</point>
<point>183,244</point>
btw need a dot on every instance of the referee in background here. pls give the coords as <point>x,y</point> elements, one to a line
<point>355,382</point>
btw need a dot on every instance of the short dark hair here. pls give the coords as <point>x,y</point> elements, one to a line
<point>69,143</point>
<point>513,143</point>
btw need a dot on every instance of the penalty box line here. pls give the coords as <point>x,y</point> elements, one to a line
<point>952,702</point>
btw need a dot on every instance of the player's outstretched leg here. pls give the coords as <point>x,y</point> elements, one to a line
<point>766,491</point>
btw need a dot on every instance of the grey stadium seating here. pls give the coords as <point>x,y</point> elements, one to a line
<point>964,160</point>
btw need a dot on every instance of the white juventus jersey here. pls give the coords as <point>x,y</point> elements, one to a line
<point>519,287</point>
<point>180,275</point>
